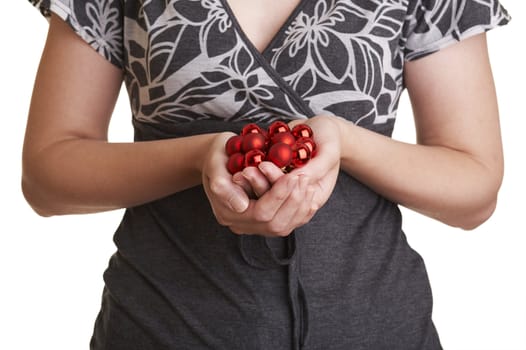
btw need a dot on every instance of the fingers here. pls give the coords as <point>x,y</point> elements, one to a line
<point>272,201</point>
<point>264,200</point>
<point>259,217</point>
<point>297,210</point>
<point>223,191</point>
<point>257,181</point>
<point>288,205</point>
<point>271,171</point>
<point>244,183</point>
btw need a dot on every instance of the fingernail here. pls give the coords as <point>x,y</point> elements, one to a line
<point>265,167</point>
<point>238,204</point>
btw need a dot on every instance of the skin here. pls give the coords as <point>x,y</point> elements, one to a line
<point>452,174</point>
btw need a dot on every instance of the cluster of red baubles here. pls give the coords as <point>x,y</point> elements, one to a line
<point>288,149</point>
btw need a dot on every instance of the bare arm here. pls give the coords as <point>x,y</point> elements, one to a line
<point>454,172</point>
<point>68,165</point>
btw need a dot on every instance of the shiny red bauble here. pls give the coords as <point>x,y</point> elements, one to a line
<point>287,149</point>
<point>276,128</point>
<point>300,155</point>
<point>254,157</point>
<point>301,130</point>
<point>251,128</point>
<point>310,143</point>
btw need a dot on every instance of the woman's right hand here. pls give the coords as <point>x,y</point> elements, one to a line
<point>287,204</point>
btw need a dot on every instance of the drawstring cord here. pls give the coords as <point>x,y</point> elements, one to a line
<point>257,252</point>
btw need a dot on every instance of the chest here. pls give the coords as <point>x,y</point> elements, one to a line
<point>260,60</point>
<point>261,20</point>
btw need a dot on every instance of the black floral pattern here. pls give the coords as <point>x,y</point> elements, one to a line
<point>347,279</point>
<point>189,60</point>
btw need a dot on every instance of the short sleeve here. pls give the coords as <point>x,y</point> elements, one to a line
<point>435,24</point>
<point>97,22</point>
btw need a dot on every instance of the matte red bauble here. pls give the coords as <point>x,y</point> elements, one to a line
<point>280,154</point>
<point>233,145</point>
<point>236,162</point>
<point>285,137</point>
<point>254,157</point>
<point>253,141</point>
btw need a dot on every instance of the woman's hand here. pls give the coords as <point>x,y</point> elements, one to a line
<point>286,201</point>
<point>321,171</point>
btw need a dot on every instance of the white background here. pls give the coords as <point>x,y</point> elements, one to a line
<point>51,268</point>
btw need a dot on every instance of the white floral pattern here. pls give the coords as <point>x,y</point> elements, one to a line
<point>104,28</point>
<point>188,60</point>
<point>189,69</point>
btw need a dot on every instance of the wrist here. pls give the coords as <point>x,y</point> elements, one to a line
<point>345,132</point>
<point>209,144</point>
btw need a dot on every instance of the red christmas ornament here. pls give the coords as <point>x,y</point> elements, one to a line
<point>233,144</point>
<point>300,155</point>
<point>301,130</point>
<point>309,142</point>
<point>285,137</point>
<point>254,157</point>
<point>236,162</point>
<point>251,128</point>
<point>253,141</point>
<point>287,149</point>
<point>280,154</point>
<point>277,127</point>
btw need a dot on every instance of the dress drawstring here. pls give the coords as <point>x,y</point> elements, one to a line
<point>265,253</point>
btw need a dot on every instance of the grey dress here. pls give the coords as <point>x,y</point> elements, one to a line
<point>346,280</point>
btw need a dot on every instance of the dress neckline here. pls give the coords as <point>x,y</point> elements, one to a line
<point>275,38</point>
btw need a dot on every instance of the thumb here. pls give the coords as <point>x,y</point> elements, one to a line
<point>271,171</point>
<point>237,200</point>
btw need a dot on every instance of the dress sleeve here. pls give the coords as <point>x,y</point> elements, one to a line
<point>97,22</point>
<point>435,24</point>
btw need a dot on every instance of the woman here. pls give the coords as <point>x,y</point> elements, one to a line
<point>311,259</point>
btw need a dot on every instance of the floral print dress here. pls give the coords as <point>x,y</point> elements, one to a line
<point>346,280</point>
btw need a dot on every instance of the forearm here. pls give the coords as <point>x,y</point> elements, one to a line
<point>84,175</point>
<point>443,183</point>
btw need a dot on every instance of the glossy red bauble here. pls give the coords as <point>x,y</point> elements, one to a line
<point>280,154</point>
<point>287,149</point>
<point>309,142</point>
<point>253,141</point>
<point>277,127</point>
<point>301,130</point>
<point>233,144</point>
<point>254,157</point>
<point>251,128</point>
<point>236,162</point>
<point>300,155</point>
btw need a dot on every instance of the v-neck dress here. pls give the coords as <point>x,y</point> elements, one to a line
<point>346,280</point>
